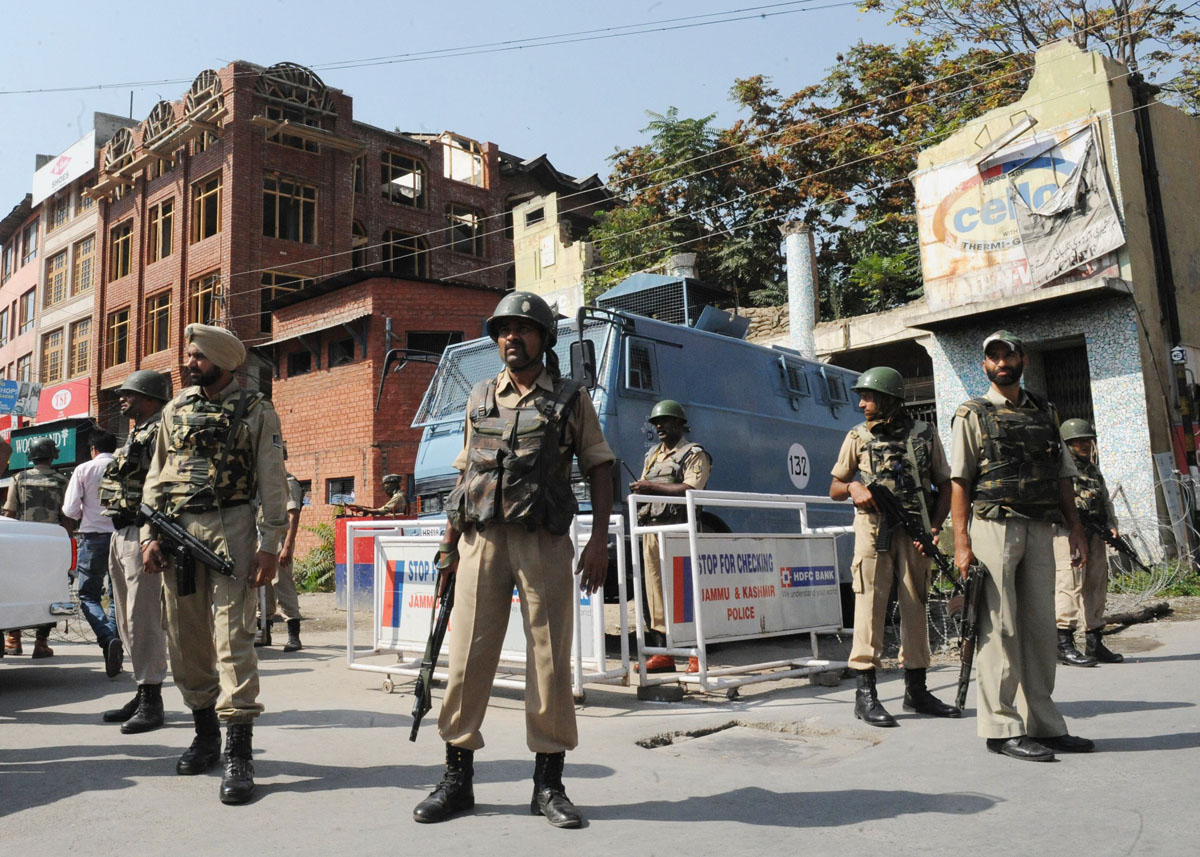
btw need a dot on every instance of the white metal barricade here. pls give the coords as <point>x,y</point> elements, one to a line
<point>729,678</point>
<point>586,668</point>
<point>356,530</point>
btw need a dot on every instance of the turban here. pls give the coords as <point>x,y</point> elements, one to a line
<point>217,344</point>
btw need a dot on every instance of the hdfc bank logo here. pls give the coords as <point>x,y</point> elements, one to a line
<point>60,166</point>
<point>61,400</point>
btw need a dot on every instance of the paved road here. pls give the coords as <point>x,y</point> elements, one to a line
<point>337,773</point>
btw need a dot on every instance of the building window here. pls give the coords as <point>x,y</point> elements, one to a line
<point>289,210</point>
<point>358,246</point>
<point>84,203</point>
<point>466,229</point>
<point>59,211</point>
<point>160,168</point>
<point>56,280</point>
<point>205,140</point>
<point>52,357</point>
<point>339,490</point>
<point>80,353</point>
<point>85,254</point>
<point>360,169</point>
<point>299,362</point>
<point>162,223</point>
<point>402,179</point>
<point>462,160</point>
<point>5,320</point>
<point>405,254</point>
<point>305,491</point>
<point>432,341</point>
<point>118,337</point>
<point>295,115</point>
<point>10,253</point>
<point>24,368</point>
<point>28,311</point>
<point>206,207</point>
<point>204,295</point>
<point>120,245</point>
<point>274,284</point>
<point>158,322</point>
<point>641,372</point>
<point>341,352</point>
<point>29,239</point>
<point>535,216</point>
<point>294,94</point>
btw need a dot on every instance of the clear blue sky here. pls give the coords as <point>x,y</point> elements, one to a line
<point>576,102</point>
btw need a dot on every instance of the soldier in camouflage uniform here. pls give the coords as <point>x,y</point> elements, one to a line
<point>1080,592</point>
<point>218,447</point>
<point>671,467</point>
<point>281,592</point>
<point>396,505</point>
<point>904,455</point>
<point>138,595</point>
<point>1011,481</point>
<point>36,494</point>
<point>510,514</point>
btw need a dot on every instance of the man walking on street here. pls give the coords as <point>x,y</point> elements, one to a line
<point>905,456</point>
<point>137,595</point>
<point>1011,483</point>
<point>219,446</point>
<point>509,517</point>
<point>83,514</point>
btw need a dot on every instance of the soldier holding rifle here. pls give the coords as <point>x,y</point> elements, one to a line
<point>218,447</point>
<point>509,518</point>
<point>906,456</point>
<point>1011,483</point>
<point>1080,591</point>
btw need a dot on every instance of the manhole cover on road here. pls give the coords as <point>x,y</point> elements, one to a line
<point>760,744</point>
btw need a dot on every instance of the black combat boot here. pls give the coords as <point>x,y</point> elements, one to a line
<point>1068,654</point>
<point>293,641</point>
<point>549,795</point>
<point>206,746</point>
<point>237,782</point>
<point>918,698</point>
<point>120,715</point>
<point>454,793</point>
<point>149,714</point>
<point>867,706</point>
<point>1095,648</point>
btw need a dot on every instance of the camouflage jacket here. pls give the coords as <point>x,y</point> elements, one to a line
<point>37,494</point>
<point>668,470</point>
<point>121,487</point>
<point>901,456</point>
<point>1091,492</point>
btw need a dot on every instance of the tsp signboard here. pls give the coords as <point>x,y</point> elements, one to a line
<point>750,585</point>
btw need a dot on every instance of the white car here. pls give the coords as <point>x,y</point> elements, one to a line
<point>34,562</point>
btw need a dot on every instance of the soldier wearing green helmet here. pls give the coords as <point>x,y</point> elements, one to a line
<point>671,468</point>
<point>1080,591</point>
<point>906,456</point>
<point>510,516</point>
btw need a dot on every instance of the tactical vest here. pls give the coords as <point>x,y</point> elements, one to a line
<point>901,457</point>
<point>40,494</point>
<point>121,486</point>
<point>1019,459</point>
<point>515,471</point>
<point>200,474</point>
<point>669,471</point>
<point>1091,494</point>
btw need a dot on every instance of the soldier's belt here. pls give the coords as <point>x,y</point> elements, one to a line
<point>197,509</point>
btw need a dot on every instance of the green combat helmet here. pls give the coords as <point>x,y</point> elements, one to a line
<point>528,306</point>
<point>390,479</point>
<point>44,448</point>
<point>668,408</point>
<point>1077,428</point>
<point>881,379</point>
<point>149,383</point>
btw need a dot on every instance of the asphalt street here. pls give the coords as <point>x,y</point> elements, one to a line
<point>783,769</point>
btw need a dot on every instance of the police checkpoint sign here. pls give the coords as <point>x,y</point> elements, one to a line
<point>405,589</point>
<point>750,585</point>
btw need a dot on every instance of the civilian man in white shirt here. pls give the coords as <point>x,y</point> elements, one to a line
<point>82,512</point>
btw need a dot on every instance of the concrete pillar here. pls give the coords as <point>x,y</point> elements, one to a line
<point>802,286</point>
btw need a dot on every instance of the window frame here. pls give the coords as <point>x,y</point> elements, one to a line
<point>81,258</point>
<point>391,191</point>
<point>161,241</point>
<point>157,322</point>
<point>116,339</point>
<point>197,291</point>
<point>53,348</point>
<point>79,348</point>
<point>394,262</point>
<point>202,197</point>
<point>458,216</point>
<point>57,288</point>
<point>120,249</point>
<point>301,225</point>
<point>27,308</point>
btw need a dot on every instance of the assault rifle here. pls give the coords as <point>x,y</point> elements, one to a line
<point>443,603</point>
<point>184,548</point>
<point>1120,544</point>
<point>895,515</point>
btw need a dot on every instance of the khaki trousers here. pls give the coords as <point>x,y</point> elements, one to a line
<point>872,580</point>
<point>1080,593</point>
<point>211,632</point>
<point>652,577</point>
<point>283,592</point>
<point>1015,656</point>
<point>137,598</point>
<point>538,564</point>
